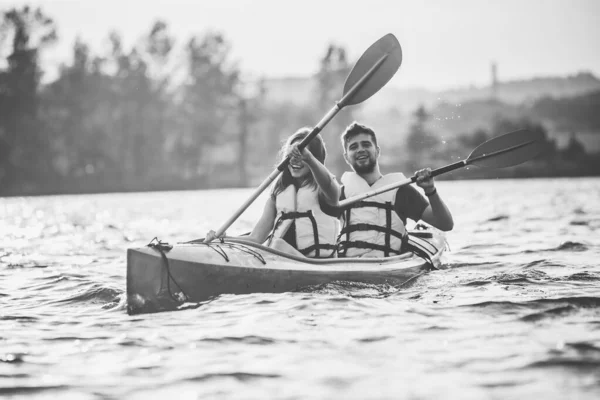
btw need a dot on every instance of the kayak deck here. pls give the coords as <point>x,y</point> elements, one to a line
<point>161,278</point>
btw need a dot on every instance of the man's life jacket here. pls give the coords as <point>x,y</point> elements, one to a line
<point>315,231</point>
<point>371,228</point>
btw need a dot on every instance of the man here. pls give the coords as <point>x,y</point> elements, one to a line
<point>375,227</point>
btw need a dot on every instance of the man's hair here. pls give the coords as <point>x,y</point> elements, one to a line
<point>356,129</point>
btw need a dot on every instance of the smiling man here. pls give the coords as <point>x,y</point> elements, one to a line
<point>375,227</point>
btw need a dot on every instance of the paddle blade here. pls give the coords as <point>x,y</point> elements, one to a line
<point>507,150</point>
<point>387,45</point>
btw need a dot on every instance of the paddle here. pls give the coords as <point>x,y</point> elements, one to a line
<point>499,152</point>
<point>370,73</point>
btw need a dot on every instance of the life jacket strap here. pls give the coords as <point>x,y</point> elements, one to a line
<point>316,248</point>
<point>370,227</point>
<point>294,215</point>
<point>361,204</point>
<point>387,229</point>
<point>343,246</point>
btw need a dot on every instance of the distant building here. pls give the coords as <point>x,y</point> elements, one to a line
<point>494,84</point>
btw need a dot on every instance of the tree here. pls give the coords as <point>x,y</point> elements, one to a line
<point>578,112</point>
<point>421,138</point>
<point>574,150</point>
<point>158,107</point>
<point>22,141</point>
<point>334,68</point>
<point>64,111</point>
<point>210,101</point>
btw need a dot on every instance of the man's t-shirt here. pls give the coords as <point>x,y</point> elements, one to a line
<point>410,203</point>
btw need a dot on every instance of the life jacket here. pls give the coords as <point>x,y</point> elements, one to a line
<point>316,232</point>
<point>371,227</point>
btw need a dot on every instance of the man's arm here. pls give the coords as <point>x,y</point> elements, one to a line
<point>436,213</point>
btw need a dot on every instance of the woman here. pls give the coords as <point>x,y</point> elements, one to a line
<point>298,217</point>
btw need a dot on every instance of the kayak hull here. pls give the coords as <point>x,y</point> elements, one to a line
<point>162,278</point>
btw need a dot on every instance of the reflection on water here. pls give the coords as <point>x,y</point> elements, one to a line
<point>517,314</point>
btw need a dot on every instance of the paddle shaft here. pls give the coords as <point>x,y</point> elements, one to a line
<point>329,116</point>
<point>283,164</point>
<point>435,172</point>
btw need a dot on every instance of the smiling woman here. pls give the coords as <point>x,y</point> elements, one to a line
<point>299,217</point>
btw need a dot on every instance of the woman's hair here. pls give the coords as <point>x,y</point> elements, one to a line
<point>316,146</point>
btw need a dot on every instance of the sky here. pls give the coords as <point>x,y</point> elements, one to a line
<point>445,43</point>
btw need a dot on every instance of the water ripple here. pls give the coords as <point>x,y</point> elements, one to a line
<point>243,339</point>
<point>17,390</point>
<point>239,376</point>
<point>94,293</point>
<point>570,246</point>
<point>12,358</point>
<point>578,302</point>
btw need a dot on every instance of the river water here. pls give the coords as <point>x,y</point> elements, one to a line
<point>515,315</point>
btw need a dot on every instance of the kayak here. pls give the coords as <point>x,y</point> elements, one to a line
<point>162,277</point>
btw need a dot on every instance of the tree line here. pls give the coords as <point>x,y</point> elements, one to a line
<point>425,146</point>
<point>151,116</point>
<point>161,114</point>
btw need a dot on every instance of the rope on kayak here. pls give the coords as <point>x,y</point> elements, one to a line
<point>234,246</point>
<point>237,246</point>
<point>248,250</point>
<point>162,247</point>
<point>218,249</point>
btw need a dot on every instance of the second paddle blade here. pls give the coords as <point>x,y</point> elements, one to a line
<point>507,150</point>
<point>386,45</point>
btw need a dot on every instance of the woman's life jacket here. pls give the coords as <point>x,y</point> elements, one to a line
<point>315,231</point>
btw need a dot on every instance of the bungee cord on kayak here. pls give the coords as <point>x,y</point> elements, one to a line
<point>219,250</point>
<point>163,247</point>
<point>222,242</point>
<point>236,246</point>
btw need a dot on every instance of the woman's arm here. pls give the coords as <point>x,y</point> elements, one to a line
<point>328,185</point>
<point>265,223</point>
<point>262,228</point>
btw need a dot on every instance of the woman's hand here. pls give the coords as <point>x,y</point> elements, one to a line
<point>212,235</point>
<point>297,155</point>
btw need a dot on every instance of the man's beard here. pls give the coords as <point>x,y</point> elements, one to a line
<point>364,168</point>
